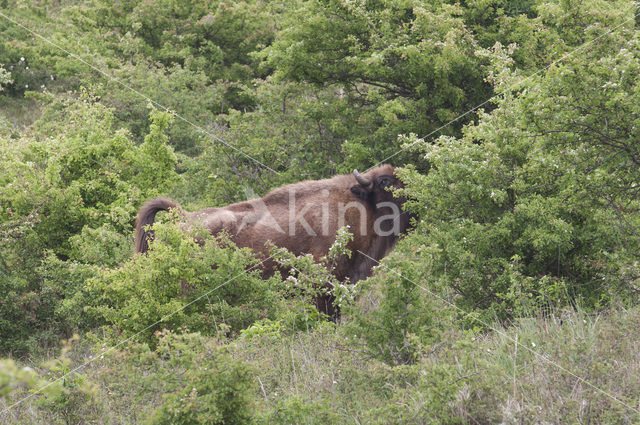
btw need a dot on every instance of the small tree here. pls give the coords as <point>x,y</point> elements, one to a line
<point>396,317</point>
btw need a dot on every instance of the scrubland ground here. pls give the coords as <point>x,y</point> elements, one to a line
<point>567,368</point>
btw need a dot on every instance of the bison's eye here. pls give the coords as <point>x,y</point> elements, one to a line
<point>385,182</point>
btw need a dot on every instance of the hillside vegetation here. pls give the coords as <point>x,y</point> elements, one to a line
<point>514,124</point>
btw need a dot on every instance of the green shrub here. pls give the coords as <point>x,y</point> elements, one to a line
<point>531,208</point>
<point>5,78</point>
<point>13,377</point>
<point>57,393</point>
<point>215,396</point>
<point>210,286</point>
<point>77,396</point>
<point>300,412</point>
<point>457,385</point>
<point>216,390</point>
<point>69,193</point>
<point>390,75</point>
<point>395,317</point>
<point>263,328</point>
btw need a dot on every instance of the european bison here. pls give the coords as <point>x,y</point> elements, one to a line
<point>304,218</point>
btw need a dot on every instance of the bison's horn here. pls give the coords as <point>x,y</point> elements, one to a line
<point>362,180</point>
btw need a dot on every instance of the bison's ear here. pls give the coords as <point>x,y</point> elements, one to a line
<point>360,192</point>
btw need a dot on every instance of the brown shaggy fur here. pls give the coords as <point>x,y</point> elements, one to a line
<point>256,222</point>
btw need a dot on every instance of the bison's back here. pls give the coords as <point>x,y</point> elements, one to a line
<point>302,217</point>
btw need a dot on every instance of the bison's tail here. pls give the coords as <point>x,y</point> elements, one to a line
<point>146,216</point>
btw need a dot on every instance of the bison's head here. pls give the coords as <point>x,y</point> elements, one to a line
<point>376,186</point>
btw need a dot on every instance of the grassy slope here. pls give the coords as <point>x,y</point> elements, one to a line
<point>317,377</point>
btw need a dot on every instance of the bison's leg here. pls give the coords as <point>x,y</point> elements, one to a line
<point>325,304</point>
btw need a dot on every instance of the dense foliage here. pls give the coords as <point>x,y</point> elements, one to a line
<point>514,125</point>
<point>182,284</point>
